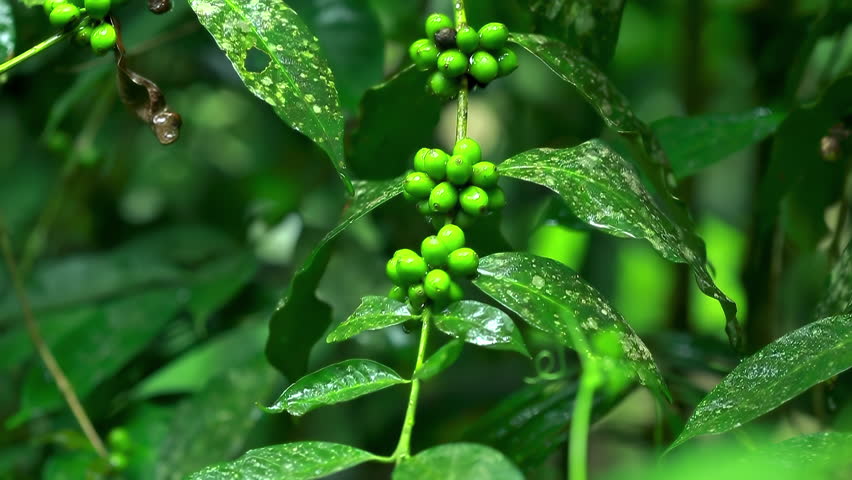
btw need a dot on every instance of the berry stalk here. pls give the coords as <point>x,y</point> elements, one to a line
<point>403,448</point>
<point>35,50</point>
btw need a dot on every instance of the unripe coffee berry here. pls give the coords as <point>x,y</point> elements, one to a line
<point>442,86</point>
<point>467,39</point>
<point>118,461</point>
<point>392,272</point>
<point>419,159</point>
<point>398,293</point>
<point>434,251</point>
<point>463,262</point>
<point>435,164</point>
<point>417,295</point>
<point>97,8</point>
<point>49,5</point>
<point>404,252</point>
<point>64,14</point>
<point>452,63</point>
<point>103,38</point>
<point>459,170</point>
<point>83,34</point>
<point>436,22</point>
<point>485,175</point>
<point>424,208</point>
<point>437,285</point>
<point>418,185</point>
<point>445,38</point>
<point>496,199</point>
<point>483,67</point>
<point>119,439</point>
<point>507,62</point>
<point>493,36</point>
<point>456,292</point>
<point>451,236</point>
<point>424,54</point>
<point>474,201</point>
<point>444,197</point>
<point>464,220</point>
<point>468,147</point>
<point>411,269</point>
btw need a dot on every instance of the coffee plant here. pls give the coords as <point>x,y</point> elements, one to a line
<point>493,267</point>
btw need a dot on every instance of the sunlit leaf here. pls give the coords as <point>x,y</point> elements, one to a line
<point>457,461</point>
<point>480,324</point>
<point>7,30</point>
<point>374,313</point>
<point>439,361</point>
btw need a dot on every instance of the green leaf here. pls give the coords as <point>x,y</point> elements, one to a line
<point>290,337</point>
<point>601,189</point>
<point>351,38</point>
<point>457,461</point>
<point>780,371</point>
<point>824,449</point>
<point>17,346</point>
<point>694,143</point>
<point>217,283</point>
<point>291,461</point>
<point>7,30</point>
<point>71,465</point>
<point>336,383</point>
<point>547,294</point>
<point>374,313</point>
<point>388,130</point>
<point>481,324</point>
<point>591,25</point>
<point>837,298</point>
<point>439,361</point>
<point>291,73</point>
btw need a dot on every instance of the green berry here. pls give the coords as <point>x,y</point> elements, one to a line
<point>464,220</point>
<point>411,269</point>
<point>474,201</point>
<point>468,147</point>
<point>63,14</point>
<point>496,199</point>
<point>424,208</point>
<point>493,36</point>
<point>483,67</point>
<point>437,285</point>
<point>467,39</point>
<point>434,251</point>
<point>97,8</point>
<point>456,292</point>
<point>83,34</point>
<point>397,293</point>
<point>392,272</point>
<point>459,170</point>
<point>119,439</point>
<point>485,175</point>
<point>444,197</point>
<point>419,159</point>
<point>435,164</point>
<point>103,38</point>
<point>463,262</point>
<point>404,252</point>
<point>118,461</point>
<point>436,22</point>
<point>418,185</point>
<point>452,63</point>
<point>451,236</point>
<point>442,86</point>
<point>49,5</point>
<point>408,197</point>
<point>417,295</point>
<point>424,54</point>
<point>507,62</point>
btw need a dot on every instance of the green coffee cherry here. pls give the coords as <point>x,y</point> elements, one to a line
<point>434,251</point>
<point>436,22</point>
<point>404,252</point>
<point>463,262</point>
<point>97,8</point>
<point>424,208</point>
<point>424,54</point>
<point>392,272</point>
<point>442,86</point>
<point>83,34</point>
<point>468,147</point>
<point>452,63</point>
<point>408,197</point>
<point>496,199</point>
<point>398,293</point>
<point>456,292</point>
<point>437,285</point>
<point>459,170</point>
<point>467,39</point>
<point>419,159</point>
<point>103,38</point>
<point>507,62</point>
<point>451,236</point>
<point>411,268</point>
<point>119,439</point>
<point>485,175</point>
<point>483,67</point>
<point>418,185</point>
<point>444,197</point>
<point>417,295</point>
<point>118,461</point>
<point>435,164</point>
<point>493,36</point>
<point>464,220</point>
<point>474,201</point>
<point>64,14</point>
<point>49,5</point>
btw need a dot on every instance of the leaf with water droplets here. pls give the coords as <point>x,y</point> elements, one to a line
<point>7,30</point>
<point>336,383</point>
<point>547,294</point>
<point>280,61</point>
<point>439,361</point>
<point>837,298</point>
<point>780,371</point>
<point>374,313</point>
<point>823,450</point>
<point>604,191</point>
<point>457,461</point>
<point>481,324</point>
<point>290,337</point>
<point>291,461</point>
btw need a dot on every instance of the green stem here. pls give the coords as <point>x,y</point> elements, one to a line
<point>14,61</point>
<point>403,448</point>
<point>461,13</point>
<point>590,380</point>
<point>464,90</point>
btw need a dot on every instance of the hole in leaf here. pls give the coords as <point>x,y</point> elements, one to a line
<point>256,60</point>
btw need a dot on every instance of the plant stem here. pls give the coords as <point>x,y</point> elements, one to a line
<point>14,61</point>
<point>43,350</point>
<point>460,13</point>
<point>590,380</point>
<point>403,448</point>
<point>464,90</point>
<point>835,249</point>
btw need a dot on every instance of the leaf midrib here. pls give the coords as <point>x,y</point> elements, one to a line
<point>384,383</point>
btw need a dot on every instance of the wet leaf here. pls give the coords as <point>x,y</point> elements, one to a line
<point>546,294</point>
<point>290,337</point>
<point>481,324</point>
<point>457,461</point>
<point>823,449</point>
<point>838,296</point>
<point>780,371</point>
<point>601,189</point>
<point>291,461</point>
<point>295,79</point>
<point>374,313</point>
<point>336,383</point>
<point>439,361</point>
<point>7,30</point>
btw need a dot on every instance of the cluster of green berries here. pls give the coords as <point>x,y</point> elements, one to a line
<point>451,53</point>
<point>460,186</point>
<point>430,278</point>
<point>89,27</point>
<point>120,445</point>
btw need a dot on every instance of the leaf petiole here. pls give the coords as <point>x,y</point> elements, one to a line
<point>403,448</point>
